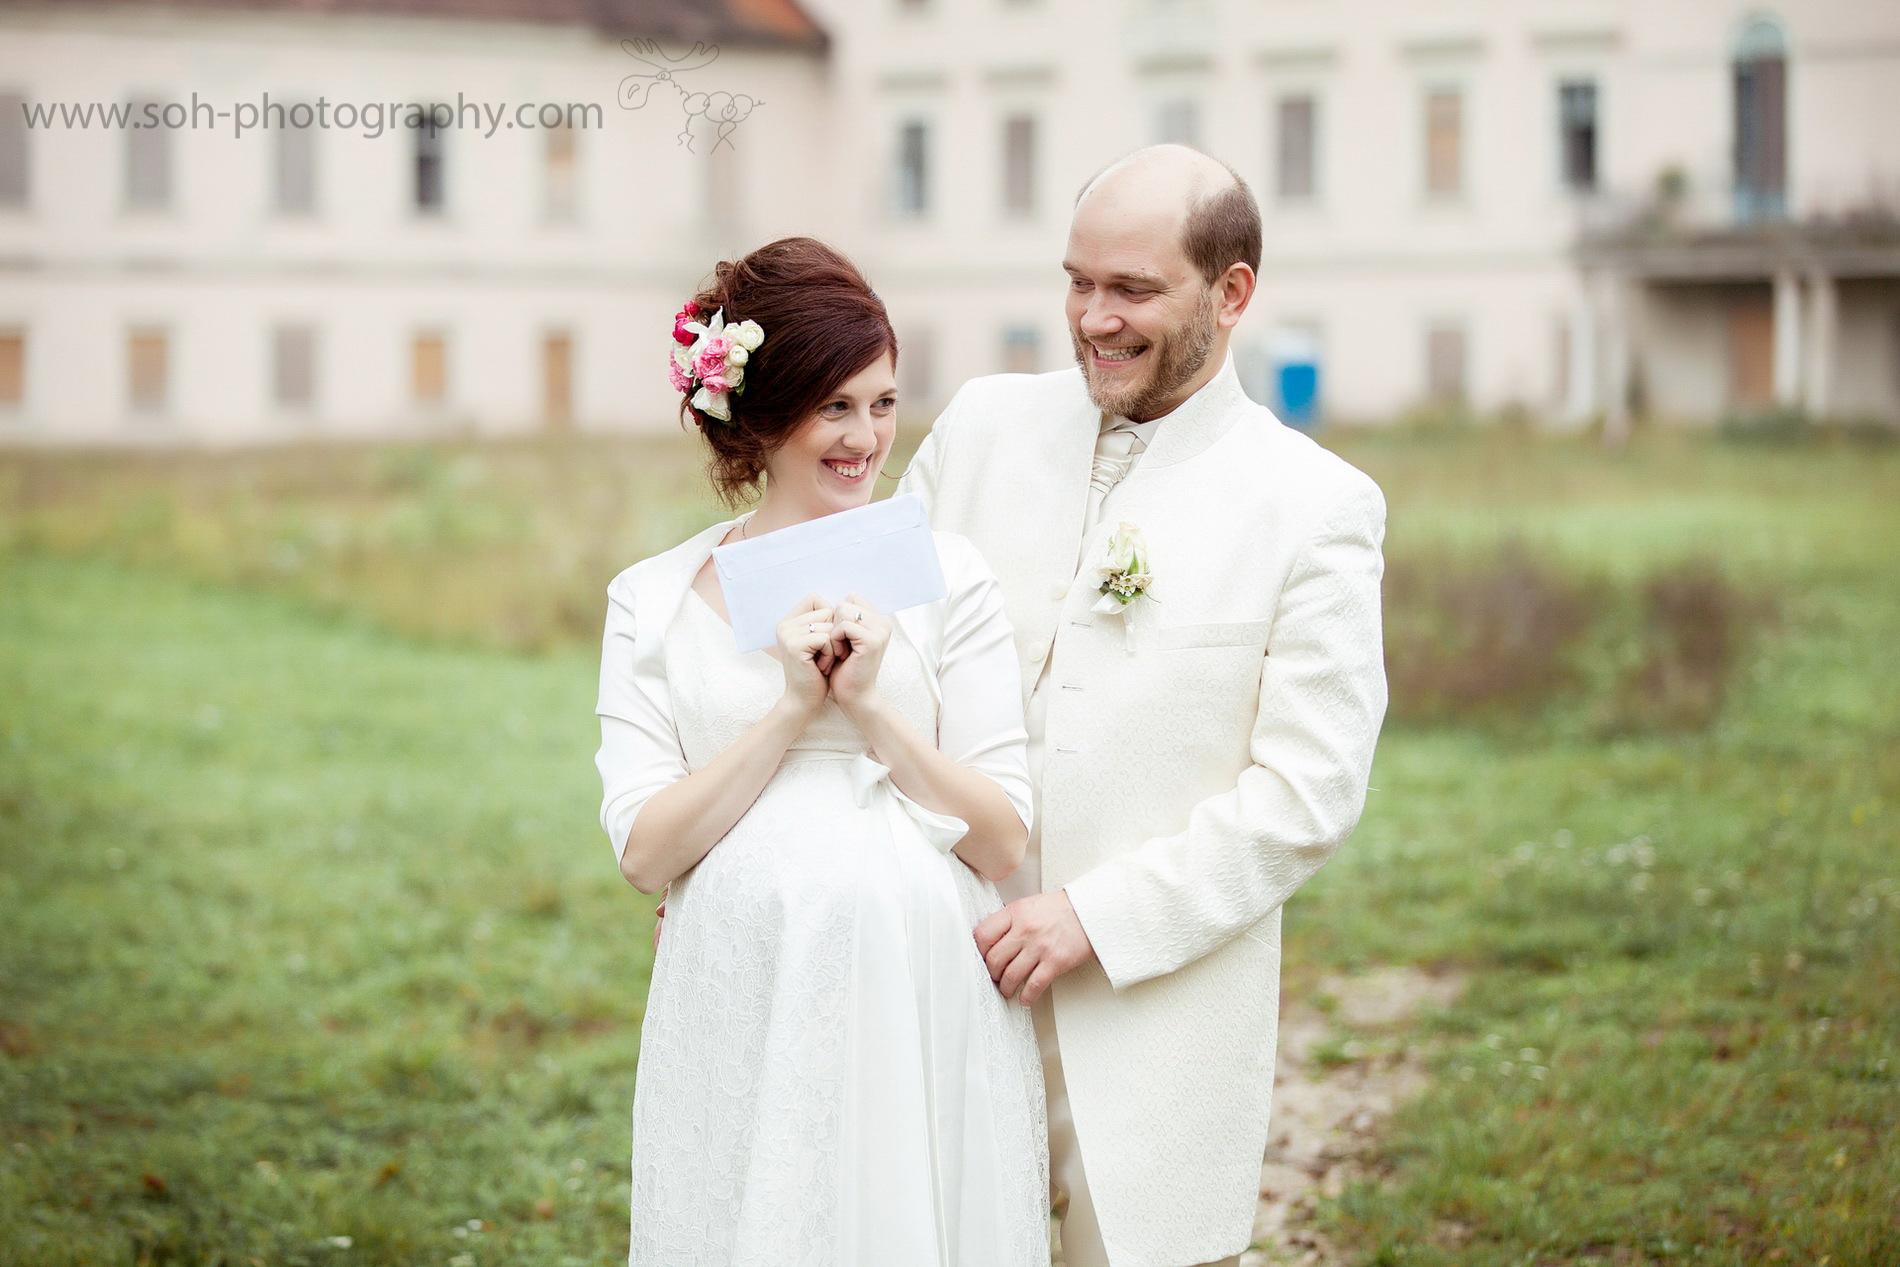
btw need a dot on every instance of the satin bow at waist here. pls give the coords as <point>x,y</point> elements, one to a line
<point>871,779</point>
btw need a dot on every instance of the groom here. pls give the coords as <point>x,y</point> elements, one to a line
<point>1198,752</point>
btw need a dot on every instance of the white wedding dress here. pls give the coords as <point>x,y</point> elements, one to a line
<point>828,1077</point>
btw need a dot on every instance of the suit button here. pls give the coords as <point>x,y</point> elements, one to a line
<point>1038,649</point>
<point>1059,591</point>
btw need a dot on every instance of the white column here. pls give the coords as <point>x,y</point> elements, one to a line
<point>1613,303</point>
<point>1787,338</point>
<point>1581,400</point>
<point>1817,370</point>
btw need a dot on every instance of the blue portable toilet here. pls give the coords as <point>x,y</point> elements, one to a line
<point>1293,383</point>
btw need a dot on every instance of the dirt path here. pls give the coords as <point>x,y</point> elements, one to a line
<point>1344,1064</point>
<point>1326,1112</point>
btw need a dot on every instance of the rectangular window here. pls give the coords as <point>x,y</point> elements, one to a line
<point>431,188</point>
<point>560,156</point>
<point>1577,121</point>
<point>557,380</point>
<point>916,370</point>
<point>1294,161</point>
<point>12,368</point>
<point>1444,143</point>
<point>13,151</point>
<point>294,171</point>
<point>148,164</point>
<point>148,368</point>
<point>913,169</point>
<point>1022,350</point>
<point>294,366</point>
<point>1445,377</point>
<point>1019,165</point>
<point>429,368</point>
<point>1178,122</point>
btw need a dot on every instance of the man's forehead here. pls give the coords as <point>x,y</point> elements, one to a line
<point>1133,256</point>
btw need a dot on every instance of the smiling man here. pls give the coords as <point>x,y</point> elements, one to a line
<point>1195,594</point>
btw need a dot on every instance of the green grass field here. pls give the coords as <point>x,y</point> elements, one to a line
<point>314,953</point>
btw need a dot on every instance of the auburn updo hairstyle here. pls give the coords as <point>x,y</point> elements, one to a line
<point>823,324</point>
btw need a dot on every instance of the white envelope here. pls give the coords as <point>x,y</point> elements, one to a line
<point>882,552</point>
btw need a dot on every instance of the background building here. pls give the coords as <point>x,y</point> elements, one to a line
<point>1576,210</point>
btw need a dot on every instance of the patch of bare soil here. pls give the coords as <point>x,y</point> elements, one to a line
<point>1344,1064</point>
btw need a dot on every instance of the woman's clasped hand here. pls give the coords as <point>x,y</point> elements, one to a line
<point>832,652</point>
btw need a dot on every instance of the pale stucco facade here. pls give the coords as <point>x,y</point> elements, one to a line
<point>1511,283</point>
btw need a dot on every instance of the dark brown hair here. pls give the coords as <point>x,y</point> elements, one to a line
<point>823,324</point>
<point>1223,229</point>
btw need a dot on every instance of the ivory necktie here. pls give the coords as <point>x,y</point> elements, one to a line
<point>1115,451</point>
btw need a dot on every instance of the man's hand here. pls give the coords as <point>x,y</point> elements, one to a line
<point>659,914</point>
<point>1031,942</point>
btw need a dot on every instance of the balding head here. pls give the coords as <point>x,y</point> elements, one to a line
<point>1205,202</point>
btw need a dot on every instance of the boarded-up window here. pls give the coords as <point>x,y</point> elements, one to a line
<point>916,369</point>
<point>148,368</point>
<point>561,155</point>
<point>1577,124</point>
<point>12,367</point>
<point>295,171</point>
<point>1295,168</point>
<point>429,368</point>
<point>148,161</point>
<point>1019,165</point>
<point>1022,350</point>
<point>1444,143</point>
<point>294,366</point>
<point>725,200</point>
<point>1445,369</point>
<point>1751,348</point>
<point>13,151</point>
<point>557,379</point>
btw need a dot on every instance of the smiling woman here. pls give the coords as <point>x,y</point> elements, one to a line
<point>822,325</point>
<point>826,1072</point>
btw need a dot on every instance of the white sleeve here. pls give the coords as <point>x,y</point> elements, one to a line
<point>981,721</point>
<point>639,745</point>
<point>1243,852</point>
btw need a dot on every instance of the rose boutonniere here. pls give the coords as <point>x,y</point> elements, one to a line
<point>1125,576</point>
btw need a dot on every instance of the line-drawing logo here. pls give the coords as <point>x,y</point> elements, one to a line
<point>723,111</point>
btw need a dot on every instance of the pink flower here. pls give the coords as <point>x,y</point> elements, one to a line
<point>677,376</point>
<point>714,382</point>
<point>712,356</point>
<point>680,333</point>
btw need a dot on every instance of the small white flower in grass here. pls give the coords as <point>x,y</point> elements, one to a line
<point>339,1242</point>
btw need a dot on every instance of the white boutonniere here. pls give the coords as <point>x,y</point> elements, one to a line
<point>1125,577</point>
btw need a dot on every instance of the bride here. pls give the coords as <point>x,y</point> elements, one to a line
<point>827,1074</point>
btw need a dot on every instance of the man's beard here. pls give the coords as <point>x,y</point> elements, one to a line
<point>1177,357</point>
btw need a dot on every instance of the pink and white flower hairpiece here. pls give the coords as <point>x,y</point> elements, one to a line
<point>709,359</point>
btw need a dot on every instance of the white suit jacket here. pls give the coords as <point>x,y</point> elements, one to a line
<point>1199,767</point>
